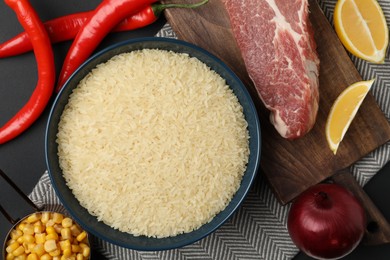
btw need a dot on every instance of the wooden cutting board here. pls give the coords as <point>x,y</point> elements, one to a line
<point>293,166</point>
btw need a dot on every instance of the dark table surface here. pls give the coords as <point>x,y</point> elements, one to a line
<point>23,160</point>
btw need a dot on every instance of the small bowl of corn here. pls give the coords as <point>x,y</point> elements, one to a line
<point>46,235</point>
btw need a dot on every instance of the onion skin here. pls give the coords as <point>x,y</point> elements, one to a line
<point>326,221</point>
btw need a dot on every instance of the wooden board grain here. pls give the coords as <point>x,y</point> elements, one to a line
<point>293,166</point>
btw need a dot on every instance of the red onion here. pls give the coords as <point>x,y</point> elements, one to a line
<point>326,221</point>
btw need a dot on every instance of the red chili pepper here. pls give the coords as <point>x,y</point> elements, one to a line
<point>30,21</point>
<point>66,27</point>
<point>105,17</point>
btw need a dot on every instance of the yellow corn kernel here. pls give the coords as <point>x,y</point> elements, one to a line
<point>81,236</point>
<point>79,257</point>
<point>15,234</point>
<point>72,257</point>
<point>33,257</point>
<point>21,226</point>
<point>46,257</point>
<point>86,251</point>
<point>57,228</point>
<point>56,258</point>
<point>20,240</point>
<point>18,251</point>
<point>28,247</point>
<point>38,227</point>
<point>56,252</point>
<point>50,245</point>
<point>50,223</point>
<point>9,256</point>
<point>39,250</point>
<point>67,252</point>
<point>21,257</point>
<point>83,245</point>
<point>76,248</point>
<point>33,218</point>
<point>40,238</point>
<point>58,217</point>
<point>50,230</point>
<point>65,244</point>
<point>52,236</point>
<point>28,229</point>
<point>11,241</point>
<point>28,239</point>
<point>67,222</point>
<point>66,233</point>
<point>76,230</point>
<point>45,217</point>
<point>12,247</point>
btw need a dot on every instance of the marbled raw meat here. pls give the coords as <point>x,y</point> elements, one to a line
<point>277,44</point>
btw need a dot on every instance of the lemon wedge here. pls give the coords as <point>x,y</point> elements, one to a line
<point>362,29</point>
<point>343,111</point>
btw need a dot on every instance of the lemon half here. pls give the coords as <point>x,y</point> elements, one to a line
<point>362,29</point>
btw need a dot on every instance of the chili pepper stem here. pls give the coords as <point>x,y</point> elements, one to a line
<point>159,8</point>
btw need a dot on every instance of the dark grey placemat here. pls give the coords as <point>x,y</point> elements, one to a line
<point>258,229</point>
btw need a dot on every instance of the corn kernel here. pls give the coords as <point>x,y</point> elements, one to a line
<point>28,239</point>
<point>66,233</point>
<point>15,234</point>
<point>56,258</point>
<point>50,230</point>
<point>50,245</point>
<point>40,238</point>
<point>21,226</point>
<point>20,240</point>
<point>38,227</point>
<point>18,251</point>
<point>76,248</point>
<point>72,257</point>
<point>56,252</point>
<point>12,247</point>
<point>58,217</point>
<point>67,222</point>
<point>67,252</point>
<point>45,217</point>
<point>81,236</point>
<point>39,250</point>
<point>21,257</point>
<point>75,229</point>
<point>52,236</point>
<point>11,241</point>
<point>29,247</point>
<point>86,251</point>
<point>28,229</point>
<point>46,257</point>
<point>50,223</point>
<point>33,257</point>
<point>33,218</point>
<point>65,244</point>
<point>9,256</point>
<point>79,257</point>
<point>57,228</point>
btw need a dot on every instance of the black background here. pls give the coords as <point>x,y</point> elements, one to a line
<point>23,160</point>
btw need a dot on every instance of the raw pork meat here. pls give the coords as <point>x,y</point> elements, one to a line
<point>277,44</point>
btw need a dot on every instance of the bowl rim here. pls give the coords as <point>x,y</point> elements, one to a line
<point>112,235</point>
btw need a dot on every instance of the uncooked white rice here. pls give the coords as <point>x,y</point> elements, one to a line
<point>153,143</point>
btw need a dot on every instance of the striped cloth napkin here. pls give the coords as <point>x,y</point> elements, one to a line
<point>258,229</point>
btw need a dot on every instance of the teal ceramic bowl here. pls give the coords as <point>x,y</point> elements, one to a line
<point>105,232</point>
